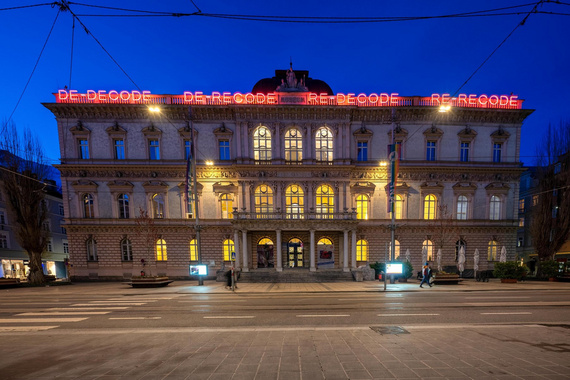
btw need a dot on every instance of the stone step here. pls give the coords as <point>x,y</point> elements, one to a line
<point>298,276</point>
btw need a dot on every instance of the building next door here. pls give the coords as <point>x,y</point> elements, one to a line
<point>295,253</point>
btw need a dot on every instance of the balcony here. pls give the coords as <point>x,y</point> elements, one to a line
<point>279,214</point>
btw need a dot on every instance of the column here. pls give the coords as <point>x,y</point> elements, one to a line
<point>353,244</point>
<point>245,265</point>
<point>312,251</point>
<point>345,256</point>
<point>279,253</point>
<point>236,248</point>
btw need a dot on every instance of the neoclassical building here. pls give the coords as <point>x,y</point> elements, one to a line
<point>291,178</point>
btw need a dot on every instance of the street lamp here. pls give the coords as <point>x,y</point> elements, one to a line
<point>197,227</point>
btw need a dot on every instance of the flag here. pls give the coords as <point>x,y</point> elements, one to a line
<point>394,167</point>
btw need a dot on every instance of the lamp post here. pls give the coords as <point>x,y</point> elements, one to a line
<point>393,157</point>
<point>197,226</point>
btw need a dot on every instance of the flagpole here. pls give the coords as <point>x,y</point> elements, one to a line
<point>197,227</point>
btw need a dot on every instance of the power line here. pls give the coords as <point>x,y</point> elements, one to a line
<point>35,66</point>
<point>28,6</point>
<point>71,54</point>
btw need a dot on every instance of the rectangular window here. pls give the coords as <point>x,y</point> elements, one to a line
<point>464,157</point>
<point>119,149</point>
<point>65,247</point>
<point>63,230</point>
<point>534,200</point>
<point>50,245</point>
<point>83,147</point>
<point>362,151</point>
<point>46,227</point>
<point>520,242</point>
<point>3,241</point>
<point>521,205</point>
<point>430,151</point>
<point>61,210</point>
<point>153,150</point>
<point>2,217</point>
<point>497,147</point>
<point>224,149</point>
<point>521,222</point>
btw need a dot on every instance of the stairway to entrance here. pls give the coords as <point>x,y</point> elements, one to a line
<point>296,275</point>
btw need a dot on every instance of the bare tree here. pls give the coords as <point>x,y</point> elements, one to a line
<point>550,216</point>
<point>23,175</point>
<point>444,228</point>
<point>148,232</point>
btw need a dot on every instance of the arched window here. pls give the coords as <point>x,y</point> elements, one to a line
<point>462,207</point>
<point>361,250</point>
<point>492,250</point>
<point>88,211</point>
<point>362,206</point>
<point>161,250</point>
<point>397,249</point>
<point>227,205</point>
<point>91,245</point>
<point>430,202</point>
<point>127,250</point>
<point>293,146</point>
<point>123,200</point>
<point>294,202</point>
<point>458,245</point>
<point>262,144</point>
<point>228,247</point>
<point>324,202</point>
<point>193,250</point>
<point>158,206</point>
<point>429,246</point>
<point>398,206</point>
<point>263,200</point>
<point>495,208</point>
<point>324,145</point>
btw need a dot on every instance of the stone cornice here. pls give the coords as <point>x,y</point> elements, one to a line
<point>259,113</point>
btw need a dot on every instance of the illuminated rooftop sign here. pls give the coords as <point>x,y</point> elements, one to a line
<point>289,98</point>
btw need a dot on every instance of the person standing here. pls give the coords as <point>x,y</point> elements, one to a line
<point>426,272</point>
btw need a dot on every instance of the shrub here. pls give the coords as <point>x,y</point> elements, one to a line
<point>408,269</point>
<point>378,267</point>
<point>509,269</point>
<point>549,269</point>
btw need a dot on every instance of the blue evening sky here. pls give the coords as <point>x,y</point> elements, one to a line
<point>167,55</point>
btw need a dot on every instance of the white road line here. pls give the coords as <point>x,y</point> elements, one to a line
<point>321,315</point>
<point>137,318</point>
<point>482,298</point>
<point>122,301</point>
<point>110,304</point>
<point>42,320</point>
<point>403,315</point>
<point>87,308</point>
<point>208,301</point>
<point>522,312</point>
<point>232,317</point>
<point>26,328</point>
<point>64,313</point>
<point>152,299</point>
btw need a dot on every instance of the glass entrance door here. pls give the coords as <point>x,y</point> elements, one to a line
<point>295,253</point>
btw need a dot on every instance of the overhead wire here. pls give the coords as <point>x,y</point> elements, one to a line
<point>71,53</point>
<point>27,6</point>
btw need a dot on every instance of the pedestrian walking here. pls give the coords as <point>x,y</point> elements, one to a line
<point>426,271</point>
<point>229,278</point>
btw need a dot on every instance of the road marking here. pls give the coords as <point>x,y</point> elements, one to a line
<point>37,320</point>
<point>232,317</point>
<point>321,315</point>
<point>402,315</point>
<point>153,299</point>
<point>88,308</point>
<point>109,304</point>
<point>26,328</point>
<point>64,313</point>
<point>208,301</point>
<point>136,318</point>
<point>522,312</point>
<point>119,302</point>
<point>476,298</point>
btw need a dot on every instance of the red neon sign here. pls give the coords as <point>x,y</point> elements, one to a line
<point>289,98</point>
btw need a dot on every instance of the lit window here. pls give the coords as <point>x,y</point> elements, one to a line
<point>83,147</point>
<point>123,201</point>
<point>464,156</point>
<point>324,202</point>
<point>263,201</point>
<point>227,204</point>
<point>228,249</point>
<point>495,208</point>
<point>361,250</point>
<point>430,151</point>
<point>88,206</point>
<point>397,249</point>
<point>193,250</point>
<point>492,250</point>
<point>521,222</point>
<point>158,206</point>
<point>262,144</point>
<point>521,205</point>
<point>362,154</point>
<point>324,145</point>
<point>161,250</point>
<point>520,242</point>
<point>535,199</point>
<point>362,205</point>
<point>224,146</point>
<point>119,149</point>
<point>153,149</point>
<point>398,206</point>
<point>497,147</point>
<point>428,245</point>
<point>293,146</point>
<point>462,207</point>
<point>91,249</point>
<point>127,250</point>
<point>430,202</point>
<point>294,202</point>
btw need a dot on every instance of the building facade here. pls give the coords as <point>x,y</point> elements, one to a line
<point>290,177</point>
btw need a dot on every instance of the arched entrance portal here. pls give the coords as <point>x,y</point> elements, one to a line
<point>295,253</point>
<point>325,253</point>
<point>265,253</point>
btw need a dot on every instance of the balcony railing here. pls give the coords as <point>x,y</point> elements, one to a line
<point>279,214</point>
